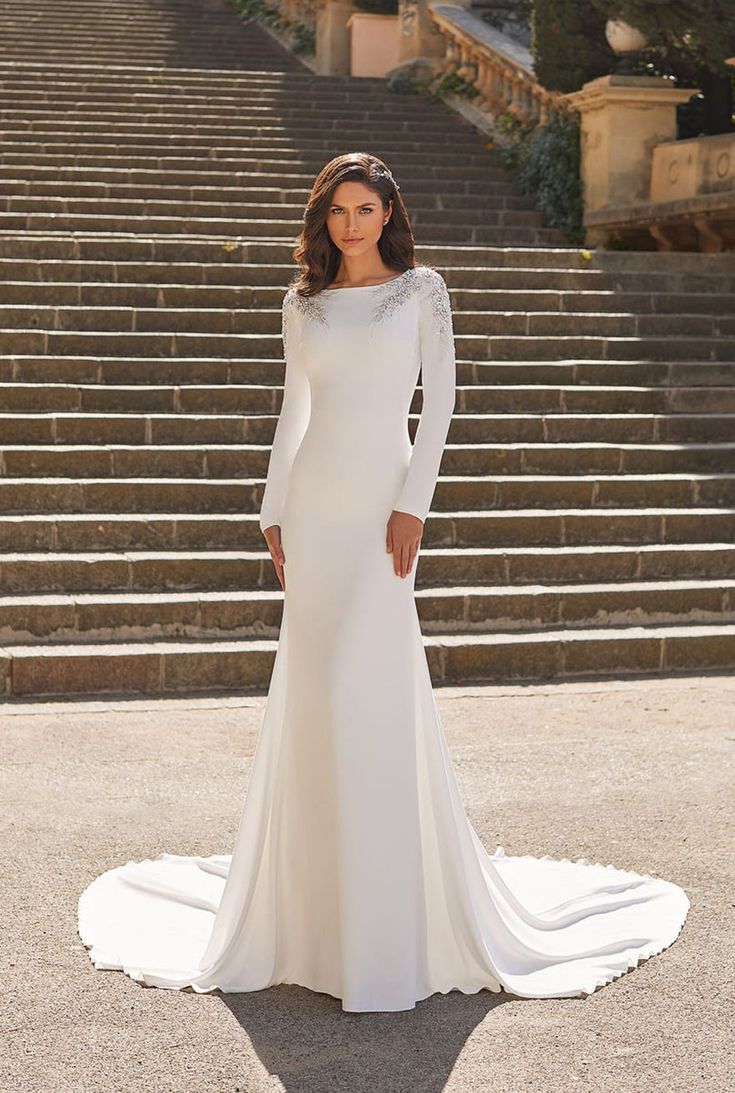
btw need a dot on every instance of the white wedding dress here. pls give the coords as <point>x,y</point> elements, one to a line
<point>355,870</point>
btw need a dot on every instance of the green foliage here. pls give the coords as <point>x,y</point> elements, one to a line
<point>302,36</point>
<point>700,32</point>
<point>568,44</point>
<point>546,160</point>
<point>403,83</point>
<point>460,80</point>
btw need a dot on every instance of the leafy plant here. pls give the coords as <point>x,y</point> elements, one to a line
<point>403,83</point>
<point>455,80</point>
<point>702,31</point>
<point>546,160</point>
<point>303,39</point>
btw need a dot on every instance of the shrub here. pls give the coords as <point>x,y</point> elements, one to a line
<point>546,160</point>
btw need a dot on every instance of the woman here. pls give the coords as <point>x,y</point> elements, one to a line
<point>356,871</point>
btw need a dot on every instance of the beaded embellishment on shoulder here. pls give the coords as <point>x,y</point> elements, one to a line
<point>309,307</point>
<point>440,304</point>
<point>387,298</point>
<point>392,294</point>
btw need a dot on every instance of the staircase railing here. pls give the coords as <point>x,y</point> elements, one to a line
<point>500,69</point>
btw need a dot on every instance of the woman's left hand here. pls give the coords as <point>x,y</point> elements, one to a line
<point>402,539</point>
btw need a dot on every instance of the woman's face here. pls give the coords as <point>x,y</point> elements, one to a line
<point>355,217</point>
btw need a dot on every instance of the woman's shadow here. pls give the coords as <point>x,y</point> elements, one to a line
<point>312,1045</point>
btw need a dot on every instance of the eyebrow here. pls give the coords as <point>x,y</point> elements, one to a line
<point>358,205</point>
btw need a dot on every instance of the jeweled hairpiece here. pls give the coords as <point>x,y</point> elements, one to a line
<point>383,172</point>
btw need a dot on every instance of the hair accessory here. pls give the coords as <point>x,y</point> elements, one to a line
<point>383,172</point>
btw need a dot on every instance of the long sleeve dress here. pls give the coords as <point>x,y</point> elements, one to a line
<point>355,870</point>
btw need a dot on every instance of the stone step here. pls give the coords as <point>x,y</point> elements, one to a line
<point>242,570</point>
<point>205,180</point>
<point>170,297</point>
<point>188,152</point>
<point>203,139</point>
<point>258,321</point>
<point>259,371</point>
<point>247,460</point>
<point>506,491</point>
<point>270,282</point>
<point>430,230</point>
<point>166,666</point>
<point>473,261</point>
<point>262,122</point>
<point>186,531</point>
<point>160,77</point>
<point>194,344</point>
<point>494,212</point>
<point>44,193</point>
<point>252,399</point>
<point>256,118</point>
<point>198,216</point>
<point>135,615</point>
<point>465,429</point>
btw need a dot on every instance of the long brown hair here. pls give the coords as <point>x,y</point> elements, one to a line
<point>316,255</point>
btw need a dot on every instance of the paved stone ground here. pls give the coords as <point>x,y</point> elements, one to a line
<point>636,772</point>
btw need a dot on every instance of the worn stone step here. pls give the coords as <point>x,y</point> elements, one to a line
<point>122,616</point>
<point>197,343</point>
<point>201,214</point>
<point>669,306</point>
<point>471,261</point>
<point>268,126</point>
<point>599,491</point>
<point>208,141</point>
<point>188,152</point>
<point>155,429</point>
<point>208,183</point>
<point>246,460</point>
<point>165,666</point>
<point>429,230</point>
<point>269,281</point>
<point>258,371</point>
<point>478,324</point>
<point>16,194</point>
<point>253,399</point>
<point>186,531</point>
<point>253,125</point>
<point>243,570</point>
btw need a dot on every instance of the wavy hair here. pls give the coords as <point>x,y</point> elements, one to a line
<point>316,255</point>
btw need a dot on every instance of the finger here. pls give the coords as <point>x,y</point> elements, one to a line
<point>389,540</point>
<point>404,559</point>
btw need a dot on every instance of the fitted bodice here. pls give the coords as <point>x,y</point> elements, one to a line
<point>353,358</point>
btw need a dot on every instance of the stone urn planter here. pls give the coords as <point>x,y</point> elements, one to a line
<point>374,43</point>
<point>626,41</point>
<point>624,38</point>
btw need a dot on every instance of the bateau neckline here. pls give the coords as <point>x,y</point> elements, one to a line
<point>355,288</point>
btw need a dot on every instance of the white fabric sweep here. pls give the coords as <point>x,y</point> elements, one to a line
<point>355,869</point>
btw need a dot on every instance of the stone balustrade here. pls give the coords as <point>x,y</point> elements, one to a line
<point>500,69</point>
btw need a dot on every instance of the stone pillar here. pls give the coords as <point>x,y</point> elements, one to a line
<point>622,119</point>
<point>419,38</point>
<point>333,37</point>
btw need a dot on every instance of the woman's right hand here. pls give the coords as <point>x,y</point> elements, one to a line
<point>273,539</point>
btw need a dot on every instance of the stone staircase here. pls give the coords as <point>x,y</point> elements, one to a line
<point>154,167</point>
